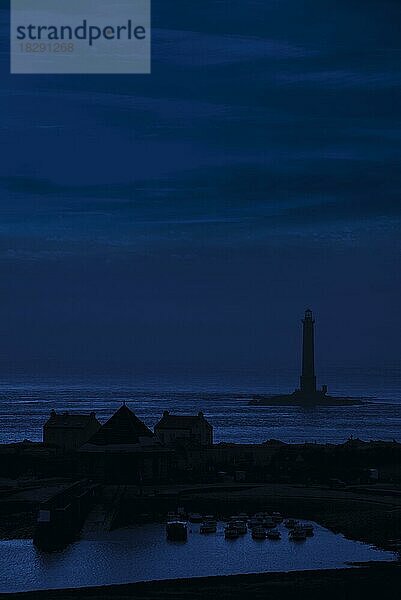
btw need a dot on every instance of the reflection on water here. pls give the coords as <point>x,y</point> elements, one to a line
<point>142,553</point>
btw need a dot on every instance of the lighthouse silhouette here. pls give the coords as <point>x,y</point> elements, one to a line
<point>308,377</point>
<point>308,389</point>
<point>307,394</point>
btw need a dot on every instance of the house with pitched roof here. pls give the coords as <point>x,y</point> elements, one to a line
<point>125,450</point>
<point>69,431</point>
<point>192,430</point>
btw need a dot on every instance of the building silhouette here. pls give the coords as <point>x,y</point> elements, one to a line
<point>125,450</point>
<point>192,430</point>
<point>69,431</point>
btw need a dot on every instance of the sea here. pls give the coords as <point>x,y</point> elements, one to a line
<point>142,553</point>
<point>26,401</point>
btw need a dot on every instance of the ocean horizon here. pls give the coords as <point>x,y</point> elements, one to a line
<point>26,401</point>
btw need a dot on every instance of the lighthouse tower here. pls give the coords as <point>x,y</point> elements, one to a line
<point>307,394</point>
<point>308,377</point>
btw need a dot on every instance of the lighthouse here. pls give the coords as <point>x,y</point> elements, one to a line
<point>307,395</point>
<point>308,377</point>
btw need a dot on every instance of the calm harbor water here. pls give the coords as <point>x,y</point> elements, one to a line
<point>25,404</point>
<point>143,553</point>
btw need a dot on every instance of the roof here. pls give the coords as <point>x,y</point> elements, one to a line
<point>67,420</point>
<point>180,421</point>
<point>122,428</point>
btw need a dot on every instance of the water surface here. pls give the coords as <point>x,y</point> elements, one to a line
<point>142,553</point>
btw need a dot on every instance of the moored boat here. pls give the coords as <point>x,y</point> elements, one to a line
<point>308,529</point>
<point>231,532</point>
<point>291,523</point>
<point>297,534</point>
<point>241,527</point>
<point>258,533</point>
<point>268,522</point>
<point>195,518</point>
<point>208,527</point>
<point>177,531</point>
<point>273,534</point>
<point>255,522</point>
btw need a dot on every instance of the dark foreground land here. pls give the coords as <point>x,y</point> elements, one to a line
<point>374,581</point>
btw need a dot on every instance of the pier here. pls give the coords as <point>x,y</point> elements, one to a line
<point>61,517</point>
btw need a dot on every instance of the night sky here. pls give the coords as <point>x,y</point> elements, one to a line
<point>185,220</point>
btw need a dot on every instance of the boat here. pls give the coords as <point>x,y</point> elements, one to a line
<point>240,518</point>
<point>177,531</point>
<point>255,522</point>
<point>208,527</point>
<point>277,518</point>
<point>258,533</point>
<point>291,523</point>
<point>241,527</point>
<point>231,532</point>
<point>195,518</point>
<point>268,522</point>
<point>297,534</point>
<point>273,534</point>
<point>308,529</point>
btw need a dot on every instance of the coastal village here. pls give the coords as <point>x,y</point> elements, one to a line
<point>131,474</point>
<point>123,472</point>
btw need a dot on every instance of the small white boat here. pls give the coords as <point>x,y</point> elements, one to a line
<point>231,533</point>
<point>177,531</point>
<point>308,529</point>
<point>255,522</point>
<point>195,518</point>
<point>208,527</point>
<point>258,533</point>
<point>291,523</point>
<point>241,527</point>
<point>297,534</point>
<point>273,534</point>
<point>240,518</point>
